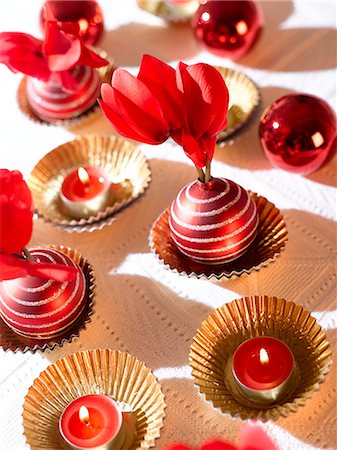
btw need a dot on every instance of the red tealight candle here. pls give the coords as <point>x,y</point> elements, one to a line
<point>92,422</point>
<point>263,368</point>
<point>85,191</point>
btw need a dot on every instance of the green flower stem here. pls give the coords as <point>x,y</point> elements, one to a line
<point>201,174</point>
<point>208,175</point>
<point>27,254</point>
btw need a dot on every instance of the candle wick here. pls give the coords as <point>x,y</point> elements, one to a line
<point>87,423</point>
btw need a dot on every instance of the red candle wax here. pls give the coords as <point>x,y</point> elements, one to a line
<point>86,191</point>
<point>263,368</point>
<point>99,424</point>
<point>85,183</point>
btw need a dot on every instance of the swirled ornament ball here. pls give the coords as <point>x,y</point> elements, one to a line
<point>214,222</point>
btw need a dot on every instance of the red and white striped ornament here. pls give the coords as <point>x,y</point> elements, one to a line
<point>51,102</point>
<point>214,222</point>
<point>39,308</point>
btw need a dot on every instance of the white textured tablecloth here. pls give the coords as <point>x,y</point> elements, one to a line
<point>151,312</point>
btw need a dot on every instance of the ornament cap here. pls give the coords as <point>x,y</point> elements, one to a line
<point>206,186</point>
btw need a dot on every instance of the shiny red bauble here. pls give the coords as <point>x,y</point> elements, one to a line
<point>43,309</point>
<point>298,133</point>
<point>228,28</point>
<point>51,102</point>
<point>214,222</point>
<point>87,13</point>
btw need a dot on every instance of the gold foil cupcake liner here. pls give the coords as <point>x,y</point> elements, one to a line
<point>244,97</point>
<point>25,108</point>
<point>271,238</point>
<point>117,374</point>
<point>162,9</point>
<point>223,331</point>
<point>16,343</point>
<point>121,160</point>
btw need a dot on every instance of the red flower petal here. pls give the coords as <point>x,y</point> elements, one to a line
<point>120,125</point>
<point>160,78</point>
<point>14,267</point>
<point>206,98</point>
<point>209,147</point>
<point>138,112</point>
<point>66,80</point>
<point>253,437</point>
<point>62,45</point>
<point>23,53</point>
<point>65,48</point>
<point>218,445</point>
<point>91,58</point>
<point>16,212</point>
<point>193,148</point>
<point>198,150</point>
<point>135,90</point>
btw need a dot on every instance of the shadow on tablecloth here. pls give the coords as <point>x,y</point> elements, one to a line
<point>127,44</point>
<point>291,49</point>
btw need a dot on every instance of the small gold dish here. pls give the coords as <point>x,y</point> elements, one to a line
<point>164,10</point>
<point>244,97</point>
<point>25,108</point>
<point>16,343</point>
<point>120,159</point>
<point>223,331</point>
<point>270,241</point>
<point>117,374</point>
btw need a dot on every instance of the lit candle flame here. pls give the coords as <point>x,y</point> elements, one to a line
<point>83,176</point>
<point>264,358</point>
<point>84,415</point>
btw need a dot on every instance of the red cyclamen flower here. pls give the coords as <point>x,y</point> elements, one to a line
<point>62,49</point>
<point>16,212</point>
<point>205,97</point>
<point>16,225</point>
<point>146,108</point>
<point>189,104</point>
<point>22,53</point>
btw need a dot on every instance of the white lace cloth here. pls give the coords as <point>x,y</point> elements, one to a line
<point>151,312</point>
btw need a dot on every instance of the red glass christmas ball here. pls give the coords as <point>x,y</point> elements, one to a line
<point>87,13</point>
<point>213,223</point>
<point>298,133</point>
<point>51,102</point>
<point>228,28</point>
<point>43,309</point>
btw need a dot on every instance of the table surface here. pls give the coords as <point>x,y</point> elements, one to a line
<point>151,312</point>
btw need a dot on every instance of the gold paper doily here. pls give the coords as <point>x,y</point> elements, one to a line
<point>270,241</point>
<point>117,374</point>
<point>244,97</point>
<point>25,108</point>
<point>14,342</point>
<point>120,159</point>
<point>221,333</point>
